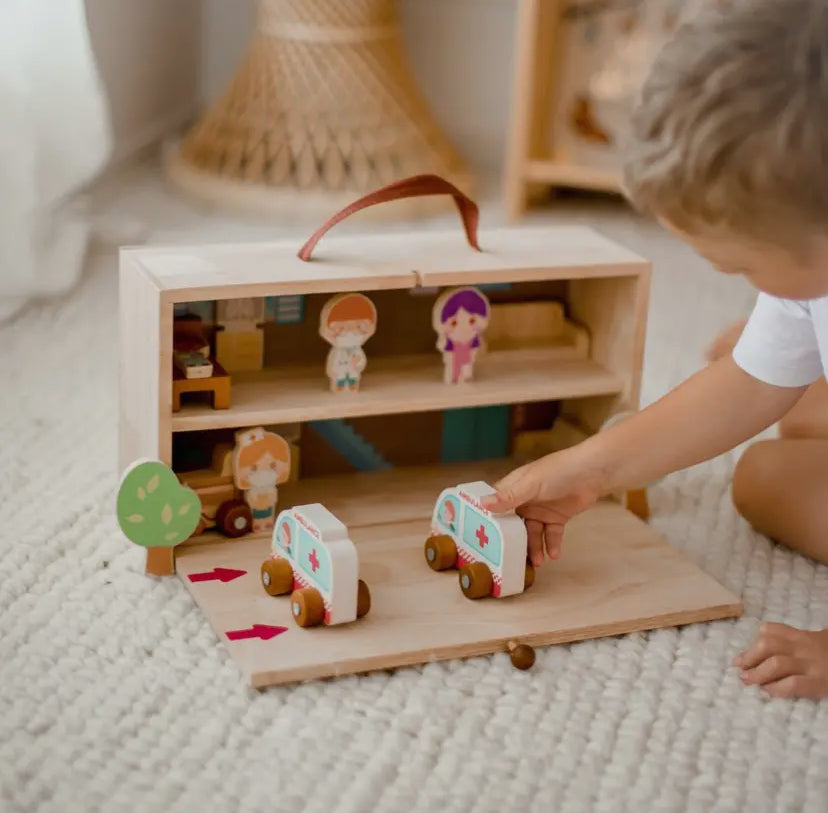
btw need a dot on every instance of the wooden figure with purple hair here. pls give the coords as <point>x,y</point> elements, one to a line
<point>460,317</point>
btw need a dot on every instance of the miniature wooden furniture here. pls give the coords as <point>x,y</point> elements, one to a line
<point>488,550</point>
<point>617,574</point>
<point>218,384</point>
<point>312,555</point>
<point>324,107</point>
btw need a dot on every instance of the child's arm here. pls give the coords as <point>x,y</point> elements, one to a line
<point>711,412</point>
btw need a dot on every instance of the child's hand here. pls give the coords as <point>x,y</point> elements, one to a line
<point>787,662</point>
<point>546,493</point>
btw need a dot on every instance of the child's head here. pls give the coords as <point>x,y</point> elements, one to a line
<point>461,316</point>
<point>729,141</point>
<point>348,320</point>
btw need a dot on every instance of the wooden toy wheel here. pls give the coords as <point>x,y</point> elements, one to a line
<point>476,580</point>
<point>307,607</point>
<point>440,552</point>
<point>363,599</point>
<point>277,577</point>
<point>529,577</point>
<point>234,518</point>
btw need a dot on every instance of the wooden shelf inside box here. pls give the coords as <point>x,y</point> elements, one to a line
<point>397,384</point>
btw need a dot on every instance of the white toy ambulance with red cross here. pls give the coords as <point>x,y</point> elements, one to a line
<point>488,549</point>
<point>313,558</point>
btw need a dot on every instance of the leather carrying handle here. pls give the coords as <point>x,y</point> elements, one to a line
<point>414,187</point>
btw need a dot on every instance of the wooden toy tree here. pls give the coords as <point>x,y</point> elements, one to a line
<point>155,511</point>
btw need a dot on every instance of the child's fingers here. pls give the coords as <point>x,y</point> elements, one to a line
<point>534,532</point>
<point>794,686</point>
<point>554,539</point>
<point>512,491</point>
<point>768,642</point>
<point>772,669</point>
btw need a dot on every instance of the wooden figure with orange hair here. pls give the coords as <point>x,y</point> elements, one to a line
<point>347,321</point>
<point>261,461</point>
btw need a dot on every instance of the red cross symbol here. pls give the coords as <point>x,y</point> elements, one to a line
<point>313,560</point>
<point>482,539</point>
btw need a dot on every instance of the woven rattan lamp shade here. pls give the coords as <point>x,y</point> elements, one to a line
<point>322,109</point>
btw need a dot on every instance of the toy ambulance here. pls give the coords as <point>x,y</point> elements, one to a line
<point>488,549</point>
<point>313,558</point>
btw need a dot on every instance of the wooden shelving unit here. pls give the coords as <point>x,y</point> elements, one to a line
<point>593,370</point>
<point>542,85</point>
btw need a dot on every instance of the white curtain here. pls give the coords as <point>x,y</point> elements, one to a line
<point>54,136</point>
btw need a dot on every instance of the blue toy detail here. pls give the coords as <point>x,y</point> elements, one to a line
<point>351,445</point>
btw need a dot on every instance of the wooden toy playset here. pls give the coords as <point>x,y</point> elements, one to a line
<point>350,428</point>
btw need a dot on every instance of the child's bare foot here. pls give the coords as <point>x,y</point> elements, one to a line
<point>787,662</point>
<point>725,341</point>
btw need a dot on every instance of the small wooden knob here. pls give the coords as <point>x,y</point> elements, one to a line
<point>522,655</point>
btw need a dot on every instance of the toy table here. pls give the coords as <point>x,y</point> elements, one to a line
<point>218,384</point>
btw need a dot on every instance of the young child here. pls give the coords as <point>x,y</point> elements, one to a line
<point>729,150</point>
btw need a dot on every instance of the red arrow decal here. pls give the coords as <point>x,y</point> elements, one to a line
<point>263,631</point>
<point>217,574</point>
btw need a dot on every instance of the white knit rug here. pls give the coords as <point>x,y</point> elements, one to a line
<point>116,696</point>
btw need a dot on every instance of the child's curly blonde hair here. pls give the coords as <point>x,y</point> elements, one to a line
<point>730,131</point>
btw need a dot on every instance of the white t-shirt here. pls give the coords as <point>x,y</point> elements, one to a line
<point>785,341</point>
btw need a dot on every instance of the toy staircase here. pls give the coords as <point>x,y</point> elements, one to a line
<point>351,445</point>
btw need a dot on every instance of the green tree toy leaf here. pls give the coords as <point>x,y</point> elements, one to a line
<point>154,509</point>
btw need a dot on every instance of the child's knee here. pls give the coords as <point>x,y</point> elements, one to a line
<point>754,478</point>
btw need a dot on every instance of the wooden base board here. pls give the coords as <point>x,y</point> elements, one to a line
<point>617,576</point>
